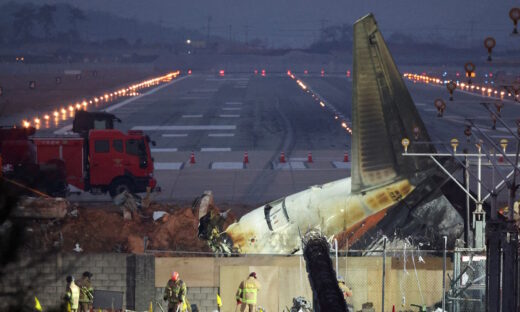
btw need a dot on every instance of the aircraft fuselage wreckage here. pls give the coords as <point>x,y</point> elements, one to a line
<point>387,193</point>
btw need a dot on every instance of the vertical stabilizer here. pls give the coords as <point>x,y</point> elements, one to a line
<point>383,113</point>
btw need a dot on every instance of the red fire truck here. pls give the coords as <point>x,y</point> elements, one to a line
<point>98,160</point>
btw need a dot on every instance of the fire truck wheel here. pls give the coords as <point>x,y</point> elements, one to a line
<point>120,185</point>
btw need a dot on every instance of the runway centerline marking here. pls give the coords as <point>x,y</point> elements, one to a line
<point>192,116</point>
<point>234,103</point>
<point>186,128</point>
<point>217,135</point>
<point>168,165</point>
<point>231,108</point>
<point>164,150</point>
<point>228,116</point>
<point>174,135</point>
<point>215,149</point>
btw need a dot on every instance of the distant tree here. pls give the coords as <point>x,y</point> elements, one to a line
<point>45,17</point>
<point>23,23</point>
<point>76,15</point>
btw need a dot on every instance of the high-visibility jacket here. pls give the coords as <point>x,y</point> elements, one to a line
<point>248,290</point>
<point>72,297</point>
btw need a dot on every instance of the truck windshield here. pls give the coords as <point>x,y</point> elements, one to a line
<point>136,147</point>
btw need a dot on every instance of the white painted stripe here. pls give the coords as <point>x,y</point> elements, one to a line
<point>163,150</point>
<point>185,128</point>
<point>221,134</point>
<point>215,149</point>
<point>125,102</point>
<point>174,135</point>
<point>192,116</point>
<point>231,108</point>
<point>228,116</point>
<point>227,165</point>
<point>341,164</point>
<point>195,98</point>
<point>204,90</point>
<point>234,103</point>
<point>168,165</point>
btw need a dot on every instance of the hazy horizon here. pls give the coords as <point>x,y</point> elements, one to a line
<point>295,23</point>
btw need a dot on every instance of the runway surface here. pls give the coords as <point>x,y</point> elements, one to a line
<point>221,118</point>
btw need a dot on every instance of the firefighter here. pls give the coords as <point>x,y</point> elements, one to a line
<point>347,293</point>
<point>247,293</point>
<point>86,295</point>
<point>175,294</point>
<point>71,297</point>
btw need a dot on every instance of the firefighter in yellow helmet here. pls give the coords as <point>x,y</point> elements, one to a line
<point>247,293</point>
<point>175,294</point>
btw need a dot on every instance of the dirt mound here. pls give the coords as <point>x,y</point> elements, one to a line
<point>101,228</point>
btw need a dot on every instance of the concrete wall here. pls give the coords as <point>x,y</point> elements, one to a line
<point>45,277</point>
<point>142,278</point>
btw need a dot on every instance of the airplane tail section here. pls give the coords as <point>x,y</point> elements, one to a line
<point>383,113</point>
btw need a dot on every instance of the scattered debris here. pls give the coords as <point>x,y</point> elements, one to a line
<point>77,248</point>
<point>158,215</point>
<point>41,208</point>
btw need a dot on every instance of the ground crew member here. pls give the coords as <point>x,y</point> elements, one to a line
<point>347,293</point>
<point>247,293</point>
<point>175,294</point>
<point>86,293</point>
<point>71,297</point>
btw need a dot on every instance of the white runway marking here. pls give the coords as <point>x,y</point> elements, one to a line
<point>231,108</point>
<point>221,134</point>
<point>204,90</point>
<point>174,135</point>
<point>66,129</point>
<point>234,103</point>
<point>291,165</point>
<point>163,150</point>
<point>228,116</point>
<point>185,128</point>
<point>195,98</point>
<point>192,116</point>
<point>420,104</point>
<point>215,149</point>
<point>341,164</point>
<point>168,165</point>
<point>227,165</point>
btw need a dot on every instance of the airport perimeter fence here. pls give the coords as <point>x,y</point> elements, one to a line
<point>407,279</point>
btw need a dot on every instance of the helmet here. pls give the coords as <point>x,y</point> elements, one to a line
<point>253,274</point>
<point>341,279</point>
<point>175,276</point>
<point>70,278</point>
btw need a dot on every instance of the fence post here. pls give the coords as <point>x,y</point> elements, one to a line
<point>384,275</point>
<point>444,274</point>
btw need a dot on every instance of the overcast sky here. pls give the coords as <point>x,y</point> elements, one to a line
<point>294,22</point>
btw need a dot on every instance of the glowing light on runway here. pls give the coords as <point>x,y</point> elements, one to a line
<point>107,97</point>
<point>483,90</point>
<point>322,102</point>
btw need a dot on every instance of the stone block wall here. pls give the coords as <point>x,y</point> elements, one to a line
<point>204,297</point>
<point>45,277</point>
